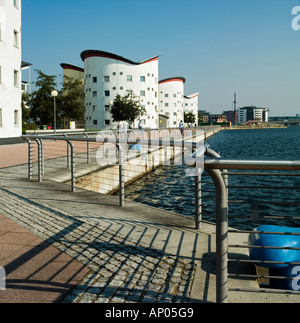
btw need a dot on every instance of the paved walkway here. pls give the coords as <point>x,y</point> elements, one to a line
<point>82,247</point>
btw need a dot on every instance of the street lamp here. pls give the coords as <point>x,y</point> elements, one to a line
<point>54,93</point>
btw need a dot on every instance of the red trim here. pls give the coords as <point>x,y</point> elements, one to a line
<point>97,53</point>
<point>177,79</point>
<point>71,67</point>
<point>189,98</point>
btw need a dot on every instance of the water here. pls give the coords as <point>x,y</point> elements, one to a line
<point>170,189</point>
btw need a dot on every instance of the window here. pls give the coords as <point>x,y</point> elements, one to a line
<point>107,108</point>
<point>95,122</point>
<point>16,78</point>
<point>143,79</point>
<point>166,95</point>
<point>95,93</point>
<point>129,78</point>
<point>106,93</point>
<point>0,117</point>
<point>143,93</point>
<point>95,79</point>
<point>107,122</point>
<point>16,118</point>
<point>106,79</point>
<point>166,104</point>
<point>16,39</point>
<point>94,108</point>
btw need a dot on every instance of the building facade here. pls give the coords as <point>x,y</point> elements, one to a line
<point>191,105</point>
<point>10,69</point>
<point>106,75</point>
<point>171,101</point>
<point>252,113</point>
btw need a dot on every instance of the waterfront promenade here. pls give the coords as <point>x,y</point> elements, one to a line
<point>59,246</point>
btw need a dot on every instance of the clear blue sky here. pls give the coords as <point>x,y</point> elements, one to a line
<point>218,46</point>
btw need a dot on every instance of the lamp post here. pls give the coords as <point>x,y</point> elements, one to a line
<point>54,93</point>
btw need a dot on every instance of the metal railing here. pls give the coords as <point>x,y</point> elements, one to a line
<point>218,169</point>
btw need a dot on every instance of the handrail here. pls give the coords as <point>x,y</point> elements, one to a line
<point>252,164</point>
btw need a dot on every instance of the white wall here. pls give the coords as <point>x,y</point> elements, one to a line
<point>171,100</point>
<point>10,61</point>
<point>191,105</point>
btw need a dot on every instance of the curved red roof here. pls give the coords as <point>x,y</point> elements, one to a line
<point>98,53</point>
<point>71,67</point>
<point>173,79</point>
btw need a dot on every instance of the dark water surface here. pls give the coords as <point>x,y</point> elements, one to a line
<point>169,187</point>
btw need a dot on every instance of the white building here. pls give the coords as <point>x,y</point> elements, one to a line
<point>10,69</point>
<point>107,75</point>
<point>171,101</point>
<point>252,113</point>
<point>191,105</point>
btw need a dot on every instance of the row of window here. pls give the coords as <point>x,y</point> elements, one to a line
<point>129,78</point>
<point>16,118</point>
<point>107,92</point>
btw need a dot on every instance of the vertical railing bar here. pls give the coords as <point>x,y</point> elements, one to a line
<point>40,177</point>
<point>198,200</point>
<point>221,236</point>
<point>29,158</point>
<point>121,176</point>
<point>70,144</point>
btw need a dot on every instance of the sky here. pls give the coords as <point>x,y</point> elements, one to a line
<point>220,47</point>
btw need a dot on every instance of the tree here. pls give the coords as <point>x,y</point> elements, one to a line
<point>126,108</point>
<point>72,99</point>
<point>189,117</point>
<point>41,101</point>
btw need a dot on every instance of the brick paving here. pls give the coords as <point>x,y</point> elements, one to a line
<point>119,270</point>
<point>35,270</point>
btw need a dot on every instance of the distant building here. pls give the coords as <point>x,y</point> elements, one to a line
<point>10,69</point>
<point>229,115</point>
<point>204,116</point>
<point>253,114</point>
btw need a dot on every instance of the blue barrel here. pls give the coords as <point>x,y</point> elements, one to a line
<point>278,255</point>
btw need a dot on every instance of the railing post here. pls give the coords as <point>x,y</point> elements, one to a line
<point>221,235</point>
<point>121,178</point>
<point>40,175</point>
<point>88,159</point>
<point>71,146</point>
<point>198,199</point>
<point>29,159</point>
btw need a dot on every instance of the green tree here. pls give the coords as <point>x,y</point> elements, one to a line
<point>189,117</point>
<point>72,99</point>
<point>126,108</point>
<point>25,109</point>
<point>41,101</point>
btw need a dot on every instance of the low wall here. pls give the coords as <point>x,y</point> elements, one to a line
<point>138,163</point>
